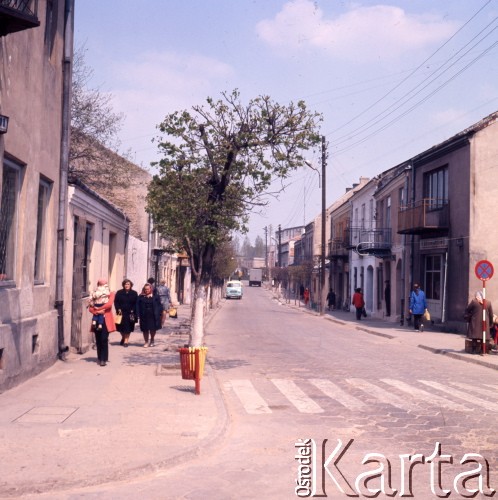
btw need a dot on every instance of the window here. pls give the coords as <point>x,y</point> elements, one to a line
<point>86,255</point>
<point>112,254</point>
<point>388,211</point>
<point>401,196</point>
<point>436,187</point>
<point>11,185</point>
<point>83,231</point>
<point>363,215</point>
<point>433,276</point>
<point>41,231</point>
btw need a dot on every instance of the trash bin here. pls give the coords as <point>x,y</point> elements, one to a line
<point>192,360</point>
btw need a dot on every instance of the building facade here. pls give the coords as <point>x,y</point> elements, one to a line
<point>32,38</point>
<point>96,241</point>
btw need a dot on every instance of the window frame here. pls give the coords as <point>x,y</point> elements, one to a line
<point>433,276</point>
<point>436,188</point>
<point>40,254</point>
<point>13,236</point>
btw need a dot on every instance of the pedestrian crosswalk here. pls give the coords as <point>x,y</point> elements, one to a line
<point>314,396</point>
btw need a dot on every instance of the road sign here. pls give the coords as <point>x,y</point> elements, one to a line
<point>484,270</point>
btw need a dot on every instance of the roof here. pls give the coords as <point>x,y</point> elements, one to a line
<point>74,181</point>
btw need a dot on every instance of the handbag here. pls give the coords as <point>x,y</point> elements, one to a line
<point>118,318</point>
<point>427,315</point>
<point>364,312</point>
<point>173,313</point>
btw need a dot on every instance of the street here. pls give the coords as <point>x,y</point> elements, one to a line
<point>287,375</point>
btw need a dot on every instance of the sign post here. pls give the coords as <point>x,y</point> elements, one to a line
<point>484,271</point>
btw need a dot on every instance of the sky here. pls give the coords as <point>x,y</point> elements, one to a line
<point>391,78</point>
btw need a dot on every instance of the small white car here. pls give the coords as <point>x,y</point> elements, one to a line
<point>233,290</point>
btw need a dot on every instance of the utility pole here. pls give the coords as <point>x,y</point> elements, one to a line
<point>269,263</point>
<point>279,245</point>
<point>324,209</point>
<point>266,250</point>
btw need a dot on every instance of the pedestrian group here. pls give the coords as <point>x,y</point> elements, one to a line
<point>149,308</point>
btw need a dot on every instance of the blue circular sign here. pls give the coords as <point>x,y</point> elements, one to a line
<point>484,270</point>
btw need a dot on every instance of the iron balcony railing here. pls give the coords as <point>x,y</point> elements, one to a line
<point>371,241</point>
<point>18,15</point>
<point>426,215</point>
<point>337,248</point>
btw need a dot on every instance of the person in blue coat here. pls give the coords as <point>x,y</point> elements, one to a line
<point>418,305</point>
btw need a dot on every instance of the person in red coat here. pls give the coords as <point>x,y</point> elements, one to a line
<point>306,296</point>
<point>358,302</point>
<point>102,335</point>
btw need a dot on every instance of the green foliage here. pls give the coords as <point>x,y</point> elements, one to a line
<point>217,163</point>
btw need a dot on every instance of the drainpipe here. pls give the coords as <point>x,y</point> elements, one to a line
<point>64,165</point>
<point>445,284</point>
<point>404,293</point>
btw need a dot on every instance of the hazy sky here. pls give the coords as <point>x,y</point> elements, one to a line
<point>391,79</point>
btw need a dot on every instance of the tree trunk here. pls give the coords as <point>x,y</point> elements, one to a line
<point>197,325</point>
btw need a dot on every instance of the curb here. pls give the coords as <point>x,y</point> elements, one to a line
<point>373,332</point>
<point>455,355</point>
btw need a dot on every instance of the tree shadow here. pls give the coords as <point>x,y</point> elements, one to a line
<point>227,364</point>
<point>183,388</point>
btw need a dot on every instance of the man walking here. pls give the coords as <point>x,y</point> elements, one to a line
<point>418,305</point>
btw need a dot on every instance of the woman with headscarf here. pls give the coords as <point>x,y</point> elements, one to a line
<point>126,303</point>
<point>473,315</point>
<point>149,311</point>
<point>102,334</point>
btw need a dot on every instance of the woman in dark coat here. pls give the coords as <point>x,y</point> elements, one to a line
<point>473,314</point>
<point>149,311</point>
<point>125,302</point>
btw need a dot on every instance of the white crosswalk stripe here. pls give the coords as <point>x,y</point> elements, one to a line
<point>250,398</point>
<point>336,393</point>
<point>462,395</point>
<point>254,403</point>
<point>381,394</point>
<point>491,393</point>
<point>297,396</point>
<point>424,395</point>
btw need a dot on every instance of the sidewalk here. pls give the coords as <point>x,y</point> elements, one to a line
<point>447,344</point>
<point>78,424</point>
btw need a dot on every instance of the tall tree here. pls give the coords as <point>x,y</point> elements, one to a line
<point>94,132</point>
<point>218,162</point>
<point>247,249</point>
<point>259,247</point>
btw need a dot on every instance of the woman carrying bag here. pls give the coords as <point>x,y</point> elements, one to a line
<point>125,304</point>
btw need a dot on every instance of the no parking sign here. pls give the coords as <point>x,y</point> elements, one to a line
<point>484,271</point>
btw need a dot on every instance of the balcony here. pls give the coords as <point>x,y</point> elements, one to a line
<point>18,15</point>
<point>376,242</point>
<point>337,249</point>
<point>424,216</point>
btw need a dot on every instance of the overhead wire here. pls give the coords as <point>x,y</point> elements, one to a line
<point>409,110</point>
<point>407,97</point>
<point>387,94</point>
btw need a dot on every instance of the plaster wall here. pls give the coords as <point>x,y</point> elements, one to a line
<point>30,94</point>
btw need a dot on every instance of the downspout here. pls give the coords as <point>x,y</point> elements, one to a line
<point>64,166</point>
<point>404,293</point>
<point>445,284</point>
<point>412,237</point>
